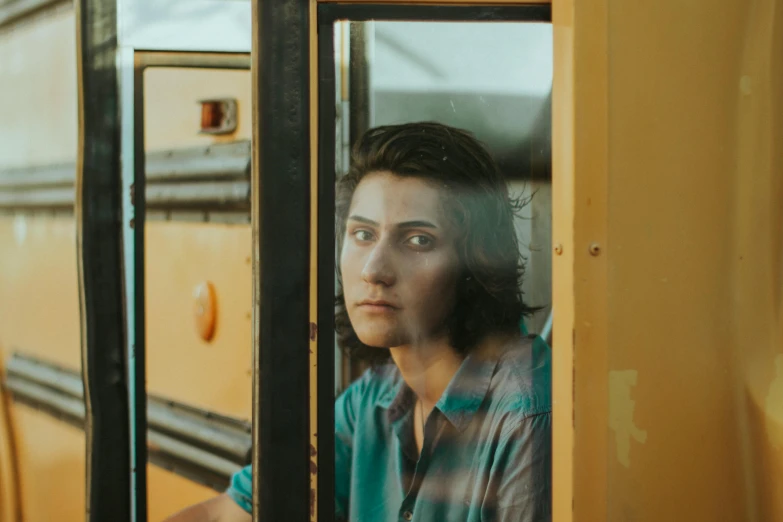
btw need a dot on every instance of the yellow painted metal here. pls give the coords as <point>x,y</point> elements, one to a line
<point>51,462</point>
<point>38,84</point>
<point>757,261</point>
<point>668,360</point>
<point>214,375</point>
<point>39,311</point>
<point>579,154</point>
<point>39,315</point>
<point>39,299</point>
<point>40,305</point>
<point>170,493</point>
<point>38,288</point>
<point>563,260</point>
<point>172,114</point>
<point>51,455</point>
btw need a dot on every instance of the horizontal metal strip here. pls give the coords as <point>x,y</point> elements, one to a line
<point>61,392</point>
<point>214,194</point>
<point>164,451</point>
<point>63,407</point>
<point>188,469</point>
<point>197,60</point>
<point>224,216</point>
<point>229,161</point>
<point>208,179</point>
<point>35,372</point>
<point>177,451</point>
<point>230,441</point>
<point>207,196</point>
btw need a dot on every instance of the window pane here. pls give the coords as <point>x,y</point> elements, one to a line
<point>443,267</point>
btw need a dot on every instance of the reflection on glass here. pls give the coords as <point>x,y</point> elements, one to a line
<point>451,420</point>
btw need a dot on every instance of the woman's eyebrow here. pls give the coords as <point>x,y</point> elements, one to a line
<point>416,223</point>
<point>364,220</point>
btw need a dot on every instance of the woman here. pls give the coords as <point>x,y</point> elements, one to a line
<point>453,420</point>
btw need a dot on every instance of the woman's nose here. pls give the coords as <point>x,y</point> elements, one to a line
<point>378,269</point>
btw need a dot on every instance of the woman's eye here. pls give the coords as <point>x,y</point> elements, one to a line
<point>420,241</point>
<point>362,235</point>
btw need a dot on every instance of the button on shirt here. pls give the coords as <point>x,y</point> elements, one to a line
<point>486,454</point>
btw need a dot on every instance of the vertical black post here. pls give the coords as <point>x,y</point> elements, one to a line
<point>281,250</point>
<point>100,262</point>
<point>326,267</point>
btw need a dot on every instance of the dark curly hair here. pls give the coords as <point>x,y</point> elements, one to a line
<point>489,295</point>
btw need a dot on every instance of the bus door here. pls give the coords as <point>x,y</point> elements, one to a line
<point>196,109</point>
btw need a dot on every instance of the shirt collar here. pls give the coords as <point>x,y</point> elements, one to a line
<point>461,399</point>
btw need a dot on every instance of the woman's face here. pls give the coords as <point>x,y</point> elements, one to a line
<point>399,261</point>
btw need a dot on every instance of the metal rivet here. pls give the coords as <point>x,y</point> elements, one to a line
<point>595,249</point>
<point>558,249</point>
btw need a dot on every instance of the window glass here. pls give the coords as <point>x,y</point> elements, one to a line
<point>443,270</point>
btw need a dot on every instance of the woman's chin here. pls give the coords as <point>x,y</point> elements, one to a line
<point>380,339</point>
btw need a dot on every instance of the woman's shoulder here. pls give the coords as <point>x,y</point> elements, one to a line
<point>377,384</point>
<point>522,382</point>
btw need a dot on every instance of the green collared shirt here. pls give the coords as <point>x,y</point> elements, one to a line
<point>486,453</point>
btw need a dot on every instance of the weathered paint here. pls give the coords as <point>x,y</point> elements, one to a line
<point>621,408</point>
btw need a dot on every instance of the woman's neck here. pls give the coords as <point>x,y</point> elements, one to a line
<point>427,368</point>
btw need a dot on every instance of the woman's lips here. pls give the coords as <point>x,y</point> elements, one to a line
<point>377,306</point>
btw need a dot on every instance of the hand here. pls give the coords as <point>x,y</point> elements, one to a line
<point>219,509</point>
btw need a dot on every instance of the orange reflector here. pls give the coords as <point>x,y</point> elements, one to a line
<point>218,115</point>
<point>211,115</point>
